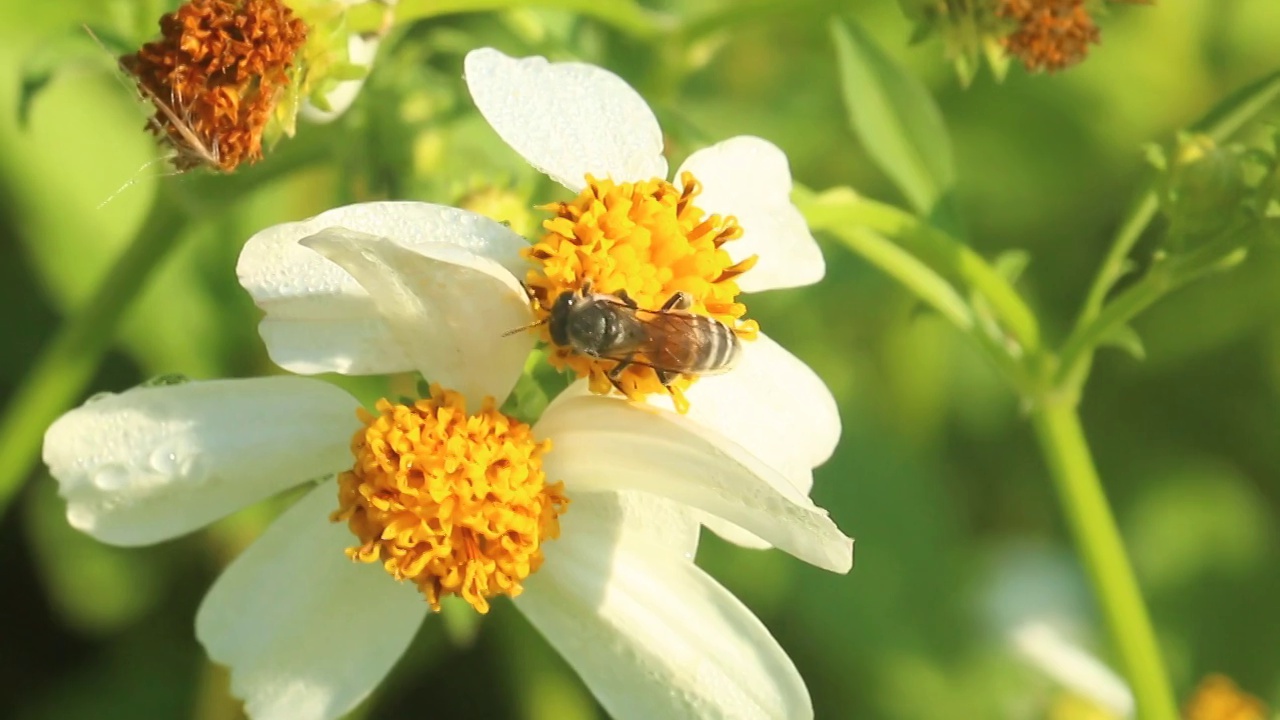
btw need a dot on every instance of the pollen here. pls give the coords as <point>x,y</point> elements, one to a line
<point>1050,34</point>
<point>456,503</point>
<point>649,239</point>
<point>215,76</point>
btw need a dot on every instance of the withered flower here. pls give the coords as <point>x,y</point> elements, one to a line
<point>216,76</point>
<point>1049,34</point>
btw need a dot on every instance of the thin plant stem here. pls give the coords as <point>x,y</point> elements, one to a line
<point>1097,537</point>
<point>1219,124</point>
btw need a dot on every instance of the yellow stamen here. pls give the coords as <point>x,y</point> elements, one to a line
<point>456,503</point>
<point>649,239</point>
<point>1218,698</point>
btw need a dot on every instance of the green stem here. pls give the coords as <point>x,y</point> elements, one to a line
<point>1113,266</point>
<point>832,212</point>
<point>945,255</point>
<point>1096,536</point>
<point>1077,352</point>
<point>902,266</point>
<point>1219,124</point>
<point>626,17</point>
<point>1165,276</point>
<point>66,365</point>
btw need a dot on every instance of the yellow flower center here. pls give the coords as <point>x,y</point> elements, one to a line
<point>1218,698</point>
<point>456,503</point>
<point>646,238</point>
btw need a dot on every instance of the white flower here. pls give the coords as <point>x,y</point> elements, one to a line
<point>306,632</point>
<point>1036,603</point>
<point>1078,670</point>
<point>569,120</point>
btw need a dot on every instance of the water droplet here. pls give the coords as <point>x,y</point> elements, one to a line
<point>173,460</point>
<point>79,517</point>
<point>165,461</point>
<point>111,477</point>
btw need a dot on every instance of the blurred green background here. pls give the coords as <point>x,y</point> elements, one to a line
<point>937,476</point>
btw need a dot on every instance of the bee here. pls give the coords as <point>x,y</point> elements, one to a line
<point>670,340</point>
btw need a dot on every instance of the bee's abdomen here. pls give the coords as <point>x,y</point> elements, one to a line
<point>720,347</point>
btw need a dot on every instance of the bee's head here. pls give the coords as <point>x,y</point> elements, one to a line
<point>560,312</point>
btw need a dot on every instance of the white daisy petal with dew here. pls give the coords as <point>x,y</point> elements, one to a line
<point>319,318</point>
<point>453,497</point>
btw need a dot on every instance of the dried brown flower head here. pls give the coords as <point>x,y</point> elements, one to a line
<point>1050,34</point>
<point>215,76</point>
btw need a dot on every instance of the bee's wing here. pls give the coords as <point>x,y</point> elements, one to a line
<point>672,341</point>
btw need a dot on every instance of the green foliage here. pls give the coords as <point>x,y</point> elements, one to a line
<point>1012,194</point>
<point>895,119</point>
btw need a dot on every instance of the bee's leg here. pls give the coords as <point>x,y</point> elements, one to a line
<point>666,377</point>
<point>616,372</point>
<point>626,299</point>
<point>678,301</point>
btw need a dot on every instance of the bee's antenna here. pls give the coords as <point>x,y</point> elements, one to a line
<point>522,328</point>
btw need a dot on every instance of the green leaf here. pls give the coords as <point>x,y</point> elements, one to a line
<point>895,118</point>
<point>77,48</point>
<point>1239,108</point>
<point>956,263</point>
<point>997,59</point>
<point>1011,264</point>
<point>831,211</point>
<point>1124,337</point>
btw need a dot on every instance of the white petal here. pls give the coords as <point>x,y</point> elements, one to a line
<point>717,525</point>
<point>749,178</point>
<point>1073,666</point>
<point>655,637</point>
<point>156,462</point>
<point>306,632</point>
<point>567,119</point>
<point>319,319</point>
<point>649,522</point>
<point>734,534</point>
<point>603,443</point>
<point>774,405</point>
<point>360,52</point>
<point>446,307</point>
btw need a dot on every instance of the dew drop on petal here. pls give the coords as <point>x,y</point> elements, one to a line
<point>174,460</point>
<point>164,461</point>
<point>79,516</point>
<point>111,477</point>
